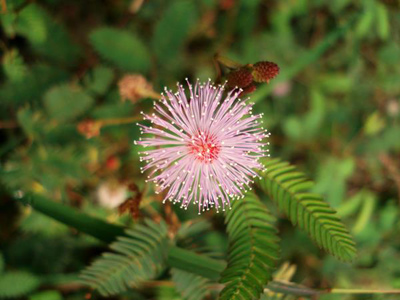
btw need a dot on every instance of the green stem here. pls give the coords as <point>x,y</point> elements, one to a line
<point>361,291</point>
<point>195,263</point>
<point>108,122</point>
<point>97,228</point>
<point>289,288</point>
<point>229,63</point>
<point>177,257</point>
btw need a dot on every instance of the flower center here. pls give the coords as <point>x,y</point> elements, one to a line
<point>205,148</point>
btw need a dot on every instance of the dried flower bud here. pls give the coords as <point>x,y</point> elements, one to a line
<point>264,71</point>
<point>240,78</point>
<point>132,204</point>
<point>134,87</point>
<point>89,128</point>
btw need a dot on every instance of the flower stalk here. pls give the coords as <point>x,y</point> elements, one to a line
<point>177,257</point>
<point>91,128</point>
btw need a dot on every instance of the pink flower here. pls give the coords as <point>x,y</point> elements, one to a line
<point>205,149</point>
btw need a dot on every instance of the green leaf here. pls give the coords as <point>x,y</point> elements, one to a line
<point>139,256</point>
<point>289,188</point>
<point>116,109</point>
<point>374,124</point>
<point>99,80</point>
<point>36,82</point>
<point>383,22</point>
<point>35,222</point>
<point>387,140</point>
<point>306,59</point>
<point>17,284</point>
<point>2,264</point>
<point>14,66</point>
<point>165,292</point>
<point>65,103</point>
<point>47,295</point>
<point>48,38</point>
<point>8,23</point>
<point>121,48</point>
<point>368,208</point>
<point>351,205</point>
<point>253,249</point>
<point>31,23</point>
<point>29,122</point>
<point>334,83</point>
<point>366,20</point>
<point>191,286</point>
<point>339,168</point>
<point>307,126</point>
<point>172,30</point>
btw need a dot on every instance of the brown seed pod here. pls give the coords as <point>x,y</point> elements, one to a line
<point>264,71</point>
<point>240,78</point>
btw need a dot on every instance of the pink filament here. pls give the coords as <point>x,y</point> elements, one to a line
<point>205,148</point>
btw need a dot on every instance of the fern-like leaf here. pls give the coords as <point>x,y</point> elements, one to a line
<point>289,188</point>
<point>139,256</point>
<point>253,249</point>
<point>190,286</point>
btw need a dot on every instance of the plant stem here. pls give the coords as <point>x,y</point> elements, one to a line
<point>177,257</point>
<point>229,63</point>
<point>97,228</point>
<point>361,291</point>
<point>289,288</point>
<point>195,263</point>
<point>107,122</point>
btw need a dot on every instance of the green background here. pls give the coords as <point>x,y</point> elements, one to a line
<point>333,110</point>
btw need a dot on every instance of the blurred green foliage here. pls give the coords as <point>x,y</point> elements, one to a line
<point>334,110</point>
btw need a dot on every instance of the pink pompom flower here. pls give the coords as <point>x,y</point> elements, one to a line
<point>205,146</point>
